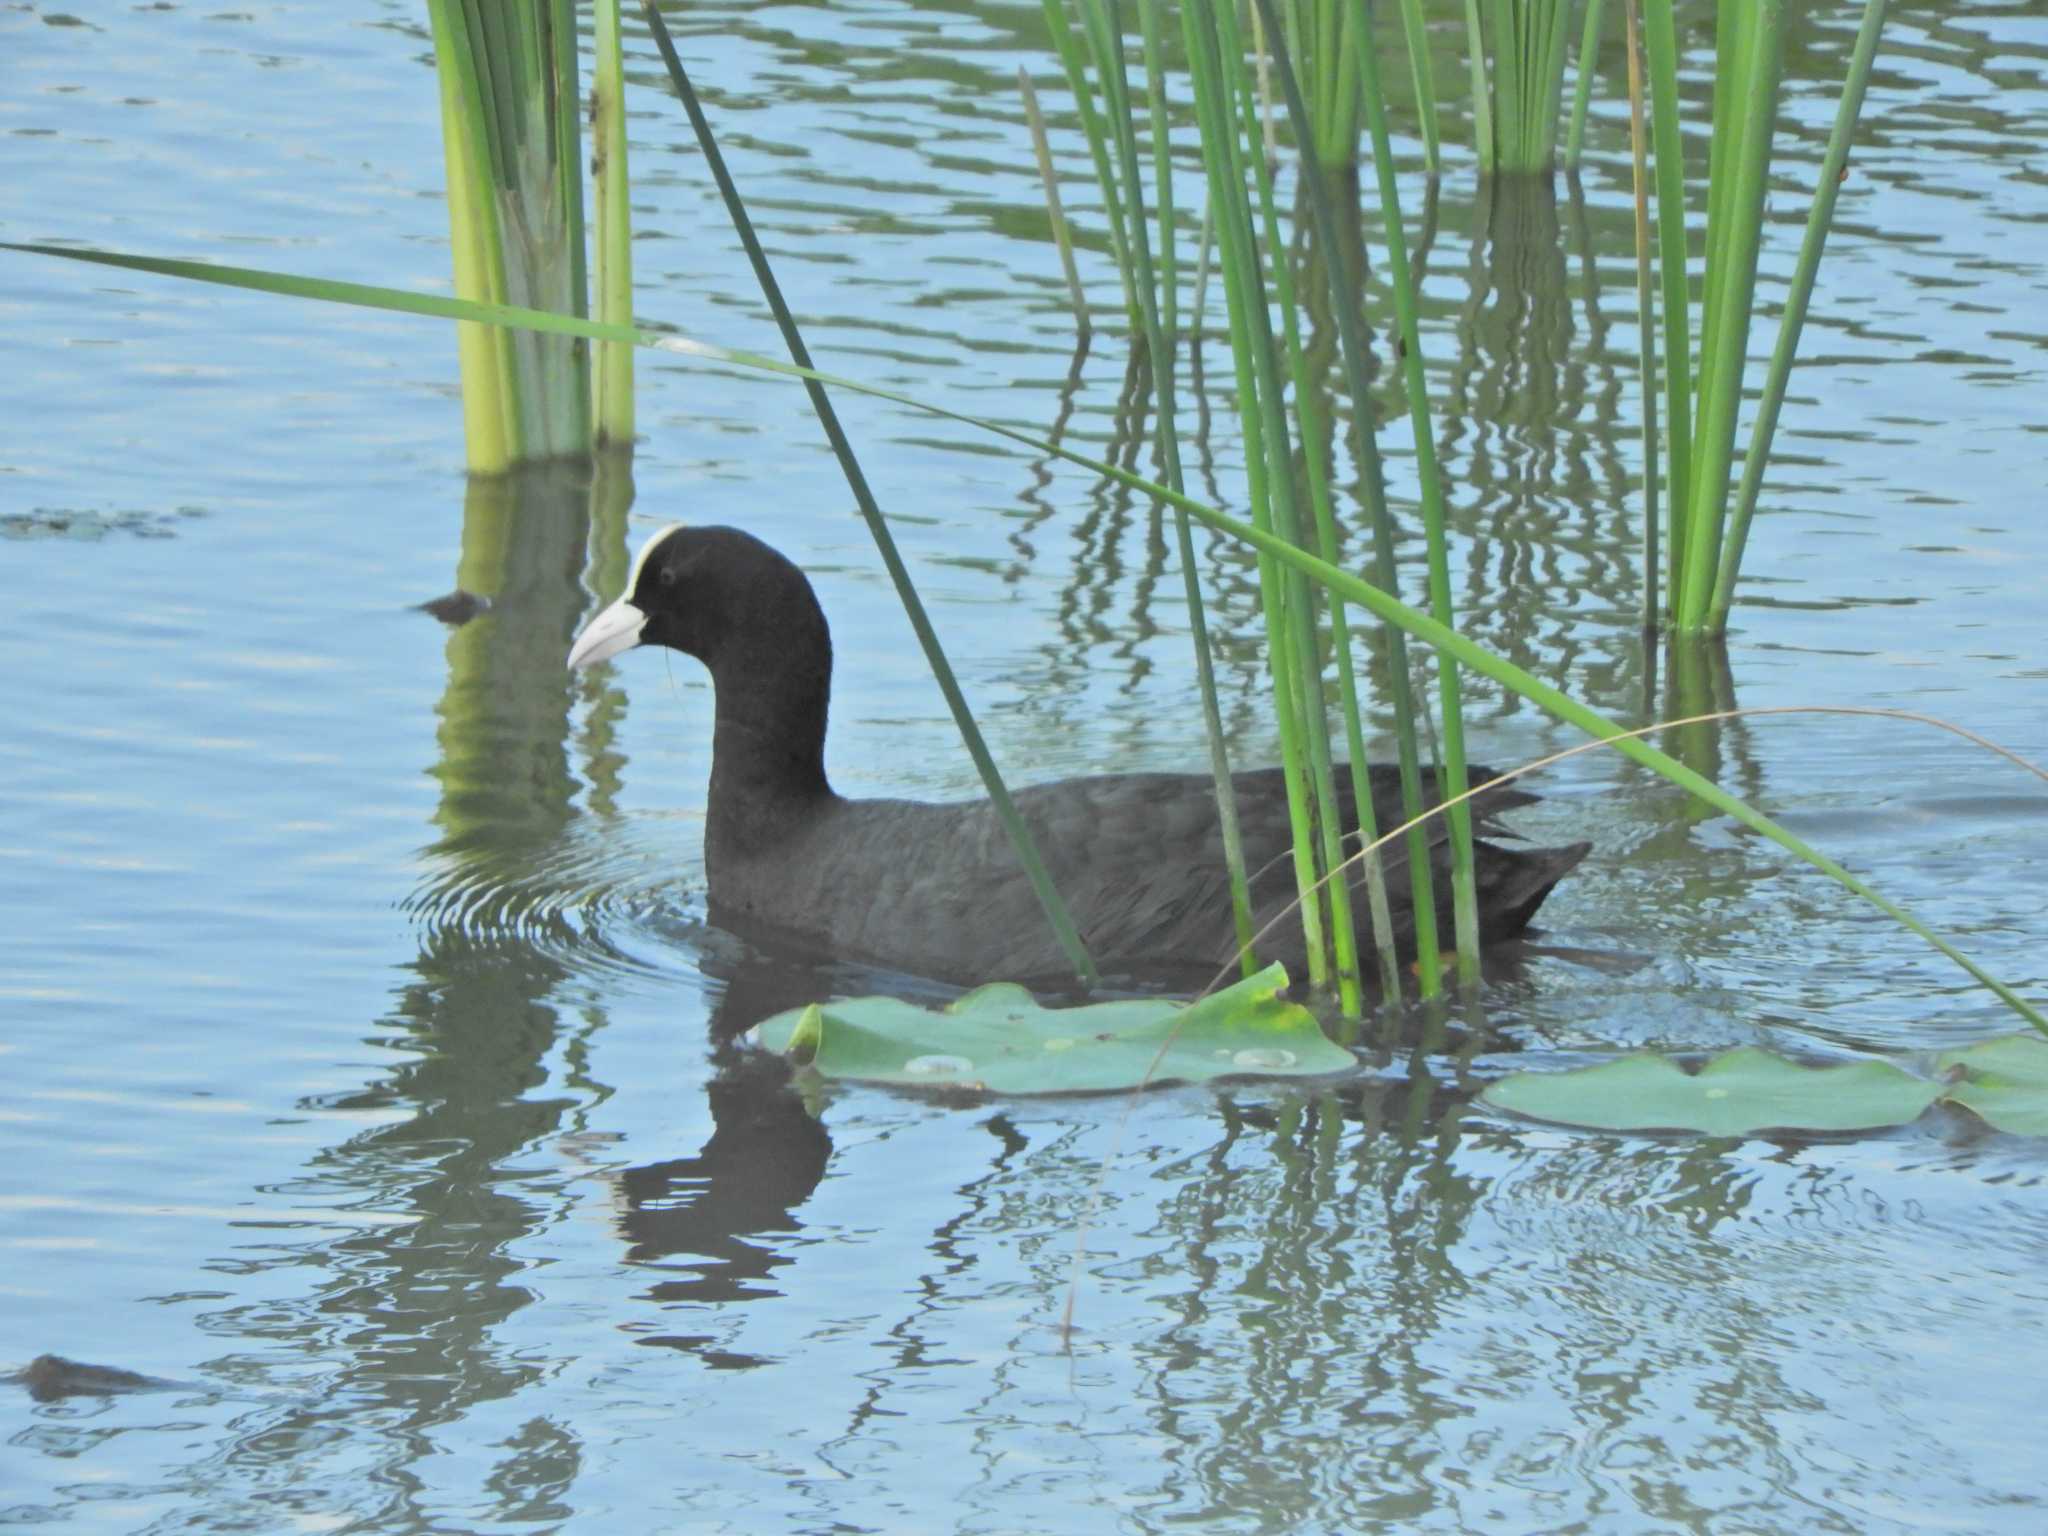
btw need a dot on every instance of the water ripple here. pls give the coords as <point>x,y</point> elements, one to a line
<point>603,895</point>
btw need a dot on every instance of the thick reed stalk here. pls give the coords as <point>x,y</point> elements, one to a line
<point>513,140</point>
<point>490,392</point>
<point>1526,50</point>
<point>1317,37</point>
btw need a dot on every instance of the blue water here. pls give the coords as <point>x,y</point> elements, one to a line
<point>359,1071</point>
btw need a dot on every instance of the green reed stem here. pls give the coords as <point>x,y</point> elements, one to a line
<point>1464,893</point>
<point>1526,52</point>
<point>1833,167</point>
<point>512,138</point>
<point>1303,600</point>
<point>1098,143</point>
<point>1317,35</point>
<point>490,385</point>
<point>1734,235</point>
<point>1344,306</point>
<point>1660,47</point>
<point>1646,335</point>
<point>1312,433</point>
<point>1162,341</point>
<point>1556,37</point>
<point>1482,94</point>
<point>1582,86</point>
<point>1062,236</point>
<point>1415,30</point>
<point>1268,471</point>
<point>612,378</point>
<point>1354,349</point>
<point>885,542</point>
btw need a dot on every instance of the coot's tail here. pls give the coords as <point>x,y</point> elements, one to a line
<point>1514,881</point>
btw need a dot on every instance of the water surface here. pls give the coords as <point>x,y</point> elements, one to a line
<point>364,1041</point>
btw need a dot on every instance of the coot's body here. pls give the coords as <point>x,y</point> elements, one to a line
<point>935,888</point>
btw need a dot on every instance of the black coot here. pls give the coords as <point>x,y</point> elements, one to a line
<point>935,888</point>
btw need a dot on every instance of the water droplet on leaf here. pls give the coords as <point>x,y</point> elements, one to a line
<point>1265,1058</point>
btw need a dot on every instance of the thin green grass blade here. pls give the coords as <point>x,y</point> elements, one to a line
<point>1550,699</point>
<point>885,542</point>
<point>361,295</point>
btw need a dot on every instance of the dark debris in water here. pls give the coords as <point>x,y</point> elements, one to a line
<point>88,523</point>
<point>456,608</point>
<point>50,1378</point>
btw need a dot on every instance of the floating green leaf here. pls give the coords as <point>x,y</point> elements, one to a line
<point>1735,1094</point>
<point>998,1039</point>
<point>2004,1080</point>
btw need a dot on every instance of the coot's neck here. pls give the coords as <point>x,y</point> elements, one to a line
<point>768,750</point>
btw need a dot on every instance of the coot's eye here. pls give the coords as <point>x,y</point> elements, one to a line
<point>668,576</point>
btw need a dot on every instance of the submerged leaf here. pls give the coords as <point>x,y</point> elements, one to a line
<point>1735,1094</point>
<point>998,1039</point>
<point>2004,1080</point>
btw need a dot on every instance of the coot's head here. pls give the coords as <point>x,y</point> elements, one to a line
<point>705,592</point>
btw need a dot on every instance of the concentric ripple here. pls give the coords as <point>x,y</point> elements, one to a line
<point>600,895</point>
